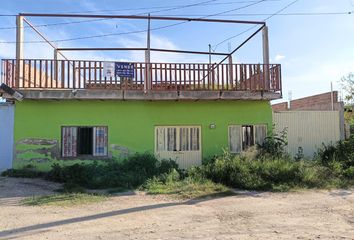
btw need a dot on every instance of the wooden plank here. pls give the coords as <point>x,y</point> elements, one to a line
<point>68,74</point>
<point>89,72</point>
<point>40,73</point>
<point>74,74</point>
<point>46,74</point>
<point>51,73</point>
<point>13,74</point>
<point>29,73</point>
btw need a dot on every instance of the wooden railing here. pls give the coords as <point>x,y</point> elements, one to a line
<point>75,74</point>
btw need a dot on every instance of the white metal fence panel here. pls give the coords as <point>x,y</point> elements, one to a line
<point>6,135</point>
<point>308,130</point>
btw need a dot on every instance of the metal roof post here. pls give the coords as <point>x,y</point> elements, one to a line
<point>147,84</point>
<point>19,49</point>
<point>266,57</point>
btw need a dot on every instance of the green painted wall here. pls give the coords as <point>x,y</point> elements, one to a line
<point>130,123</point>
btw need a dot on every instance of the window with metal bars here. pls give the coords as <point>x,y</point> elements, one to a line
<point>242,137</point>
<point>76,141</point>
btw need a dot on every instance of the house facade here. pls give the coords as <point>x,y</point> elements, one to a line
<point>107,118</point>
<point>69,111</point>
<point>188,131</point>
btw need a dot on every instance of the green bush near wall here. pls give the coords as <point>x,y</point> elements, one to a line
<point>129,173</point>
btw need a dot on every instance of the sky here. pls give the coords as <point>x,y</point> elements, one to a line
<point>314,50</point>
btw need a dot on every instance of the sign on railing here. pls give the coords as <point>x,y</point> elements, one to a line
<point>118,69</point>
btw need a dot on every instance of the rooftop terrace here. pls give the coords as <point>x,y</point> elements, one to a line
<point>43,78</point>
<point>90,79</point>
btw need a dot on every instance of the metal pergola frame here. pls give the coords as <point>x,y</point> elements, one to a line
<point>20,35</point>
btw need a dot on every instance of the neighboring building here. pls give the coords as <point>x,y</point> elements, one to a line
<point>310,122</point>
<point>320,102</point>
<point>79,111</point>
<point>6,135</point>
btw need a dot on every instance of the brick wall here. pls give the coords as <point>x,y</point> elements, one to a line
<point>280,106</point>
<point>320,102</point>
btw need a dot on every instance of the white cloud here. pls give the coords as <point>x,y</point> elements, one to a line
<point>279,57</point>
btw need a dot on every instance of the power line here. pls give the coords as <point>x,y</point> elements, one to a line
<point>138,31</point>
<point>54,24</point>
<point>171,6</point>
<point>251,28</point>
<point>180,7</point>
<point>266,14</point>
<point>176,7</point>
<point>199,15</point>
<point>96,20</point>
<point>282,9</point>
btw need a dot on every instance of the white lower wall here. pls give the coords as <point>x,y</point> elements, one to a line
<point>308,129</point>
<point>6,135</point>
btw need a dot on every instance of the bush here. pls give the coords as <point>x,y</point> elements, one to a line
<point>342,152</point>
<point>349,173</point>
<point>190,186</point>
<point>274,146</point>
<point>26,172</point>
<point>130,173</point>
<point>265,173</point>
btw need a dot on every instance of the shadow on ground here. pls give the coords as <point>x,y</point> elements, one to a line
<point>18,232</point>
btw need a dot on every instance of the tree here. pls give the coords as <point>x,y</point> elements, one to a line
<point>347,83</point>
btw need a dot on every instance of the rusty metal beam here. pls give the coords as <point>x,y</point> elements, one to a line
<point>43,37</point>
<point>142,49</point>
<point>140,17</point>
<point>243,43</point>
<point>101,49</point>
<point>232,52</point>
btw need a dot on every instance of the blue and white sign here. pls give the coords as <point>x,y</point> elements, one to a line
<point>118,69</point>
<point>123,69</point>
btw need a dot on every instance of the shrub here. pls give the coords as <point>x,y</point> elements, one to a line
<point>274,146</point>
<point>349,173</point>
<point>190,186</point>
<point>26,172</point>
<point>130,173</point>
<point>265,173</point>
<point>342,152</point>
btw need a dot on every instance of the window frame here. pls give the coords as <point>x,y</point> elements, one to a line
<point>78,156</point>
<point>241,130</point>
<point>178,138</point>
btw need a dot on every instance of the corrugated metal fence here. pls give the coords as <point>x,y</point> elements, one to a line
<point>308,130</point>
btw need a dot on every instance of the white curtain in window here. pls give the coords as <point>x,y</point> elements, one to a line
<point>160,139</point>
<point>194,135</point>
<point>235,138</point>
<point>171,139</point>
<point>184,139</point>
<point>69,141</point>
<point>260,133</point>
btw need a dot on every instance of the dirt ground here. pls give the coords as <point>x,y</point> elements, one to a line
<point>247,215</point>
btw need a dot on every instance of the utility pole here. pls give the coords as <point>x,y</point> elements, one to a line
<point>332,97</point>
<point>230,64</point>
<point>209,55</point>
<point>266,56</point>
<point>147,83</point>
<point>19,49</point>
